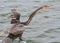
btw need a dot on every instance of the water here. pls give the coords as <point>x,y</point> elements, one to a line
<point>45,26</point>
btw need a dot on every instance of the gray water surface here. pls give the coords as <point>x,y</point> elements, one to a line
<point>45,26</point>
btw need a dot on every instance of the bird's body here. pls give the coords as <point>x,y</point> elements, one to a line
<point>14,32</point>
<point>17,30</point>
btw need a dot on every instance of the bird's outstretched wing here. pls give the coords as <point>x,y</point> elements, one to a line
<point>33,14</point>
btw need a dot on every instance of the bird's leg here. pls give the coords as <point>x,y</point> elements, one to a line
<point>20,37</point>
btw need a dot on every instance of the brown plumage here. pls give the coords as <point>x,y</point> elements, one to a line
<point>30,18</point>
<point>25,23</point>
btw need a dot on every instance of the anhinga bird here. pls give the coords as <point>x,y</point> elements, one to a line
<point>12,36</point>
